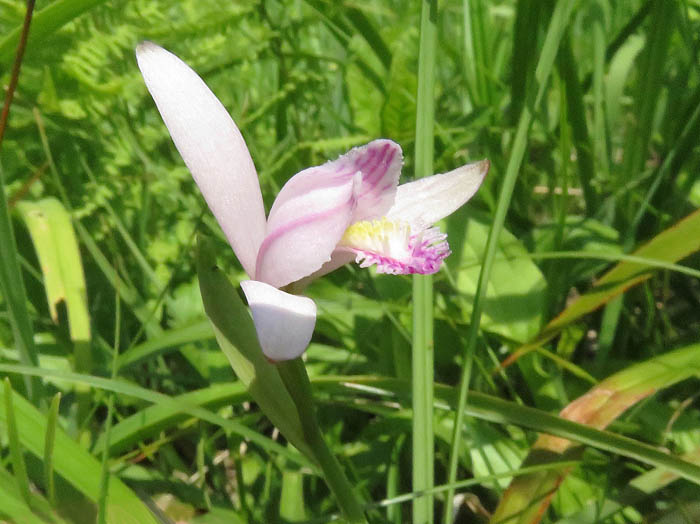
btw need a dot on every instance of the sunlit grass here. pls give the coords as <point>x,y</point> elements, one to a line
<point>575,263</point>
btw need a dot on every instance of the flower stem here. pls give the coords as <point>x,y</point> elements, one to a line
<point>423,374</point>
<point>293,373</point>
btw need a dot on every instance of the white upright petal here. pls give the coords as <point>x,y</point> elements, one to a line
<point>284,322</point>
<point>425,201</point>
<point>212,147</point>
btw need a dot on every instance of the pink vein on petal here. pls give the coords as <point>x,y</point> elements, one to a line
<point>376,171</point>
<point>295,224</point>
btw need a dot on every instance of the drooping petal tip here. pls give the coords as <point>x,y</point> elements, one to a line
<point>284,322</point>
<point>427,200</point>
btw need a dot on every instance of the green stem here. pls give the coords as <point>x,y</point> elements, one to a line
<point>422,343</point>
<point>296,380</point>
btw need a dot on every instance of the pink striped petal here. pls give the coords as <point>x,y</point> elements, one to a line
<point>296,248</point>
<point>425,201</point>
<point>380,162</point>
<point>315,207</point>
<point>284,322</point>
<point>212,147</point>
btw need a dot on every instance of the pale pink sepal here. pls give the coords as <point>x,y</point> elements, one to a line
<point>284,322</point>
<point>315,207</point>
<point>427,200</point>
<point>211,146</point>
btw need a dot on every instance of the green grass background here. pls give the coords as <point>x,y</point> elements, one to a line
<point>589,112</point>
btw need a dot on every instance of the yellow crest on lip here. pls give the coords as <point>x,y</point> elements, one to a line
<point>387,237</point>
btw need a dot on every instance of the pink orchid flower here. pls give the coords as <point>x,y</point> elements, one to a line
<point>324,217</point>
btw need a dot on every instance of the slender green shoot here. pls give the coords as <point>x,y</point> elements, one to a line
<point>293,374</point>
<point>555,32</point>
<point>104,472</point>
<point>422,354</point>
<point>18,466</point>
<point>49,440</point>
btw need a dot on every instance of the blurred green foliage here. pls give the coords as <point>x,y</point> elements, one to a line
<point>612,161</point>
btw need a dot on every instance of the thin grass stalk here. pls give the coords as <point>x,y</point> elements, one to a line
<point>393,513</point>
<point>682,144</point>
<point>49,440</point>
<point>600,138</point>
<point>555,32</point>
<point>469,61</point>
<point>646,100</point>
<point>579,128</point>
<point>422,342</point>
<point>19,467</point>
<point>104,473</point>
<point>636,147</point>
<point>631,27</point>
<point>529,16</point>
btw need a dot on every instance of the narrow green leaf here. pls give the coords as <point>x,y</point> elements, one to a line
<point>44,23</point>
<point>675,243</point>
<point>18,466</point>
<point>292,506</point>
<point>149,421</point>
<point>555,32</point>
<point>477,29</point>
<point>480,405</point>
<point>166,341</point>
<point>75,464</point>
<point>393,478</point>
<point>576,113</point>
<point>527,498</point>
<point>238,340</point>
<point>14,507</point>
<point>365,27</point>
<point>618,73</point>
<point>15,296</point>
<point>185,410</point>
<point>601,21</point>
<point>49,441</point>
<point>296,380</point>
<point>52,233</point>
<point>651,78</point>
<point>530,15</point>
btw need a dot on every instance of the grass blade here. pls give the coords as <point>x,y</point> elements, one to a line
<point>18,466</point>
<point>49,441</point>
<point>652,77</point>
<point>673,244</point>
<point>11,282</point>
<point>555,32</point>
<point>482,406</point>
<point>51,229</point>
<point>422,344</point>
<point>169,403</point>
<point>528,497</point>
<point>75,464</point>
<point>46,21</point>
<point>577,118</point>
